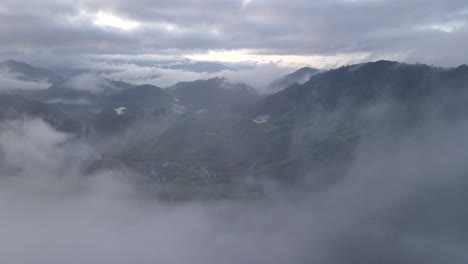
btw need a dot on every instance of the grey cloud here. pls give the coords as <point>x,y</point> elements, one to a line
<point>326,20</point>
<point>87,82</point>
<point>378,27</point>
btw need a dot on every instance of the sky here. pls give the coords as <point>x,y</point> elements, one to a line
<point>320,33</point>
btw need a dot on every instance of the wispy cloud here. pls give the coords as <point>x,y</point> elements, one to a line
<point>12,81</point>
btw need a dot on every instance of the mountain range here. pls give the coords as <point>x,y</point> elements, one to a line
<point>215,132</point>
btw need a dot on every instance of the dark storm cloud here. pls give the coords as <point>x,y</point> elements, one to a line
<point>430,31</point>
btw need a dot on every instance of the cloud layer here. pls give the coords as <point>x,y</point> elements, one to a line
<point>402,202</point>
<point>416,31</point>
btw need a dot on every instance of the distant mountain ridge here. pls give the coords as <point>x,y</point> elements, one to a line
<point>143,96</point>
<point>357,85</point>
<point>198,66</point>
<point>213,132</point>
<point>299,76</point>
<point>216,94</point>
<point>65,90</point>
<point>17,107</point>
<point>177,64</point>
<point>29,72</point>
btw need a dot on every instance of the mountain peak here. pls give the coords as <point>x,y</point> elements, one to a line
<point>299,76</point>
<point>216,94</point>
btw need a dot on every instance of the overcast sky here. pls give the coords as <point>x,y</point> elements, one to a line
<point>315,32</point>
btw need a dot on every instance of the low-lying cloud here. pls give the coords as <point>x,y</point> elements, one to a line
<point>401,202</point>
<point>10,81</point>
<point>88,82</point>
<point>258,76</point>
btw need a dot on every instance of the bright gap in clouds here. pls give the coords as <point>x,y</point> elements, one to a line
<point>245,2</point>
<point>289,61</point>
<point>447,27</point>
<point>109,20</point>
